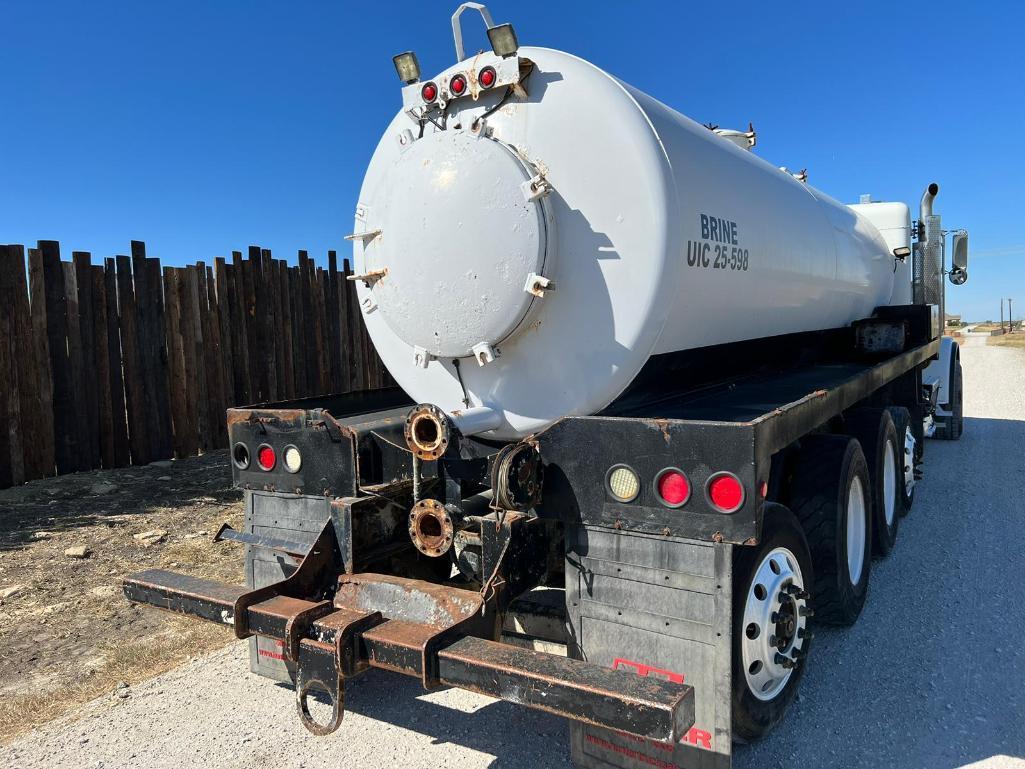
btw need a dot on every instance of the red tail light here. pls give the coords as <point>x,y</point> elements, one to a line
<point>487,77</point>
<point>672,487</point>
<point>265,457</point>
<point>457,85</point>
<point>725,492</point>
<point>429,92</point>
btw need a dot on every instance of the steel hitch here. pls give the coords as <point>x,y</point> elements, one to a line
<point>334,625</point>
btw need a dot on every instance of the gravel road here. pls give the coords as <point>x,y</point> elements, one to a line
<point>932,675</point>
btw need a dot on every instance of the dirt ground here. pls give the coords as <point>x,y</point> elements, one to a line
<point>67,634</point>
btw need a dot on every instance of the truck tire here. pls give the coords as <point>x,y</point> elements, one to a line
<point>830,495</point>
<point>770,582</point>
<point>877,435</point>
<point>906,436</point>
<point>951,428</point>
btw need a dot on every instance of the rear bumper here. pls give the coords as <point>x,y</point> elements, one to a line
<point>435,633</point>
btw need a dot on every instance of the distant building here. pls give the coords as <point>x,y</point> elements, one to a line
<point>953,320</point>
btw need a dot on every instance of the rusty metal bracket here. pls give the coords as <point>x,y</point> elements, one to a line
<point>299,623</point>
<point>314,576</point>
<point>325,666</point>
<point>317,667</point>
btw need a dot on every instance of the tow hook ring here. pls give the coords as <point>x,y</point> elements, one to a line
<point>302,691</point>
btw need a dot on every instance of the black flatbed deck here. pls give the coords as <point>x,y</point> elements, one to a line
<point>783,405</point>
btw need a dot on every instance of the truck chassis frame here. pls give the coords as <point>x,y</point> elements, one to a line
<point>337,609</point>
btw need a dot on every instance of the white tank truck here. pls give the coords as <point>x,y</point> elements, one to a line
<point>660,403</point>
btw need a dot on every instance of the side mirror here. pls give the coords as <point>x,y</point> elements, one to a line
<point>959,259</point>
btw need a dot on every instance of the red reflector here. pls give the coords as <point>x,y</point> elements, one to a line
<point>457,85</point>
<point>429,92</point>
<point>725,492</point>
<point>265,457</point>
<point>673,487</point>
<point>487,77</point>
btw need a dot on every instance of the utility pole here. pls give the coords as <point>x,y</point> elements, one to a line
<point>1010,317</point>
<point>1001,315</point>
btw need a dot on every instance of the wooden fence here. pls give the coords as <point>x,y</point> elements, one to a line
<point>127,363</point>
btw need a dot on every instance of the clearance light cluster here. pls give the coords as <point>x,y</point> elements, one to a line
<point>267,457</point>
<point>458,85</point>
<point>672,488</point>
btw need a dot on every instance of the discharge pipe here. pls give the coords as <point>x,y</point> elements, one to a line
<point>429,430</point>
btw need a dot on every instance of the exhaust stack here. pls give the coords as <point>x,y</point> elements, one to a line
<point>928,255</point>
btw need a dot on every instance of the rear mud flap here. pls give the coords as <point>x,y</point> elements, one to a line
<point>659,608</point>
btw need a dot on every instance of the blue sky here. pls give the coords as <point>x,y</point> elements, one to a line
<point>204,127</point>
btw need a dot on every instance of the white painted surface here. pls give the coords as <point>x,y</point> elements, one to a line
<point>632,180</point>
<point>893,220</point>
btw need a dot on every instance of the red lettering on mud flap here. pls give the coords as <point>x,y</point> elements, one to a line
<point>267,652</point>
<point>646,670</point>
<point>699,738</point>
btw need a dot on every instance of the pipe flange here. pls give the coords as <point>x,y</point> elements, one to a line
<point>431,528</point>
<point>427,432</point>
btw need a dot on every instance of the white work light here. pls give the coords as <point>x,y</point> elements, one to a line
<point>503,40</point>
<point>407,66</point>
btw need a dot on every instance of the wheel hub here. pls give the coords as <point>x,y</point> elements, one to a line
<point>857,529</point>
<point>775,622</point>
<point>890,483</point>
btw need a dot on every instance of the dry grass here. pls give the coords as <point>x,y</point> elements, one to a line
<point>1008,340</point>
<point>128,661</point>
<point>84,636</point>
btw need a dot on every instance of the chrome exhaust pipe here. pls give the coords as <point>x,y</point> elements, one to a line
<point>925,208</point>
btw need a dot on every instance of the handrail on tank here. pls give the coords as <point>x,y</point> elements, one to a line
<point>457,25</point>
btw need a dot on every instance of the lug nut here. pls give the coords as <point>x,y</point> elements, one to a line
<point>784,661</point>
<point>796,592</point>
<point>774,617</point>
<point>807,635</point>
<point>804,611</point>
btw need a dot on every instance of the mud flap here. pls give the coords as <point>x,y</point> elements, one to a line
<point>285,516</point>
<point>658,607</point>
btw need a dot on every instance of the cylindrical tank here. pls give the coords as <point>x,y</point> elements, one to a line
<point>531,262</point>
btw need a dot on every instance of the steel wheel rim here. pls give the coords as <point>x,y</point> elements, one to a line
<point>776,591</point>
<point>909,461</point>
<point>856,520</point>
<point>890,483</point>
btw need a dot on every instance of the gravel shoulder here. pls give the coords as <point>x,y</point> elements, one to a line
<point>933,675</point>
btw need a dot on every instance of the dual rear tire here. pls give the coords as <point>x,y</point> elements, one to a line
<point>884,450</point>
<point>831,495</point>
<point>845,497</point>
